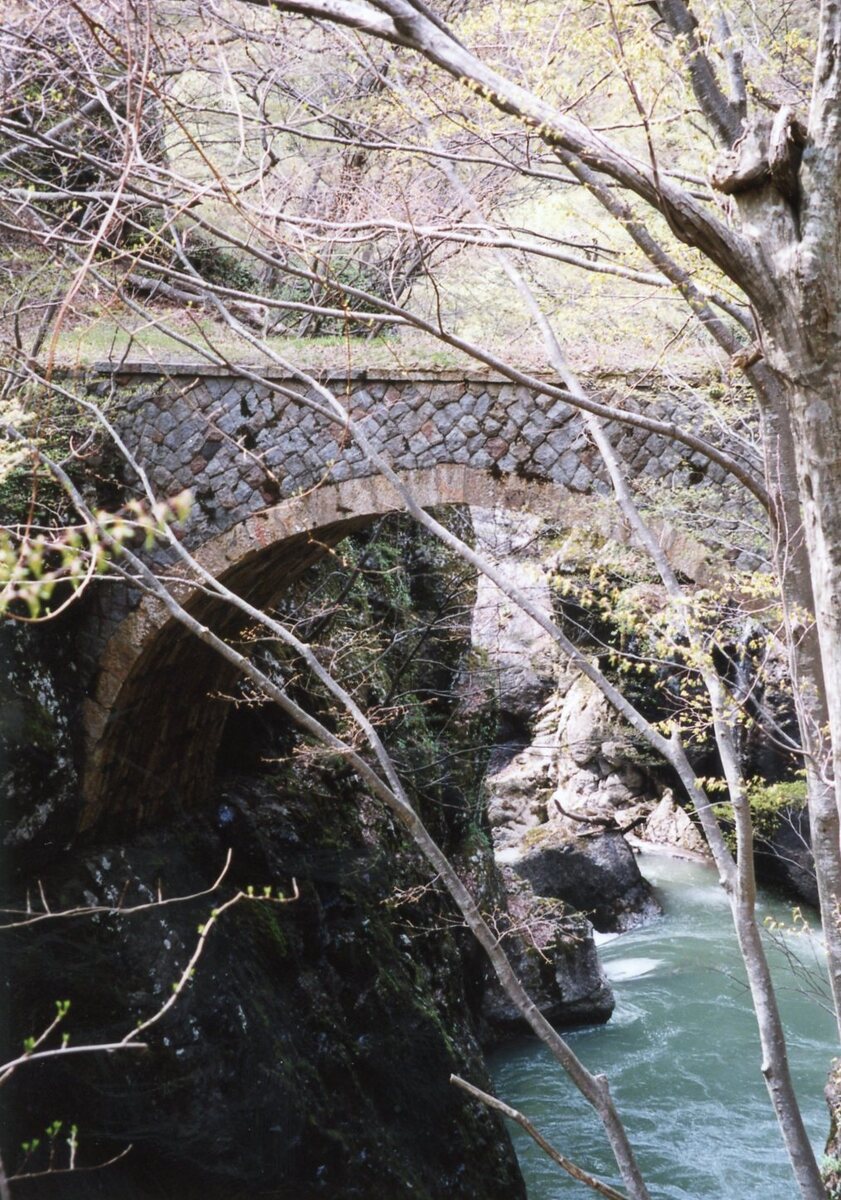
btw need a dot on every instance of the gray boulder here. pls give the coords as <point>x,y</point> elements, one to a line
<point>554,955</point>
<point>670,825</point>
<point>597,876</point>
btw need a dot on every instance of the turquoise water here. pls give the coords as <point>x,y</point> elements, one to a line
<point>682,1055</point>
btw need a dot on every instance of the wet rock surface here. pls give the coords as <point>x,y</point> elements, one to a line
<point>557,808</point>
<point>556,803</point>
<point>598,876</point>
<point>550,947</point>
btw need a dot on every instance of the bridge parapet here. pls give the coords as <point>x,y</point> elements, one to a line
<point>240,445</point>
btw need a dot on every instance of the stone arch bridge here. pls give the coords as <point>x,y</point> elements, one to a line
<point>275,483</point>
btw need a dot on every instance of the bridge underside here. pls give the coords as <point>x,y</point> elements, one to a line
<point>154,724</point>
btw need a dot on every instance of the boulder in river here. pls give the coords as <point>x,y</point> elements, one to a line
<point>596,875</point>
<point>554,956</point>
<point>670,825</point>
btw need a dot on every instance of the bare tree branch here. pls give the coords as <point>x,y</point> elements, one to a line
<point>603,1189</point>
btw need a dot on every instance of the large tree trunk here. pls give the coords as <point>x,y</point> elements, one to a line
<point>802,329</point>
<point>816,417</point>
<point>794,237</point>
<point>792,566</point>
<point>810,363</point>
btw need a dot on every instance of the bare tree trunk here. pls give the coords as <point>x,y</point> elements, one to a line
<point>806,441</point>
<point>801,325</point>
<point>817,421</point>
<point>810,697</point>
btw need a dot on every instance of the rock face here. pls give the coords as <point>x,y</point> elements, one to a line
<point>785,856</point>
<point>518,793</point>
<point>310,1056</point>
<point>522,657</point>
<point>550,947</point>
<point>573,753</point>
<point>596,773</point>
<point>597,876</point>
<point>555,958</point>
<point>548,807</point>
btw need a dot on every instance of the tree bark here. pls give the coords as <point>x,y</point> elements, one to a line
<point>792,567</point>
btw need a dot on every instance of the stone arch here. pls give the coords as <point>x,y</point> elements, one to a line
<point>153,724</point>
<point>154,721</point>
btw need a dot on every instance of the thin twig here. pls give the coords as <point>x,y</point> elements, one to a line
<point>87,910</point>
<point>74,1170</point>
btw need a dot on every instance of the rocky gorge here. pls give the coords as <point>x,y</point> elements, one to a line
<point>314,1047</point>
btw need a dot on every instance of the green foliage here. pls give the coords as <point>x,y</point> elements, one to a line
<point>769,804</point>
<point>770,799</point>
<point>35,565</point>
<point>53,1156</point>
<point>218,265</point>
<point>41,541</point>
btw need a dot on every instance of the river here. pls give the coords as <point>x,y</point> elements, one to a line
<point>682,1055</point>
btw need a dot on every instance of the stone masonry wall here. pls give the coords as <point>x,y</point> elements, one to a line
<point>241,445</point>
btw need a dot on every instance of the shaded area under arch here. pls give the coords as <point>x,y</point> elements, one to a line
<point>154,722</point>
